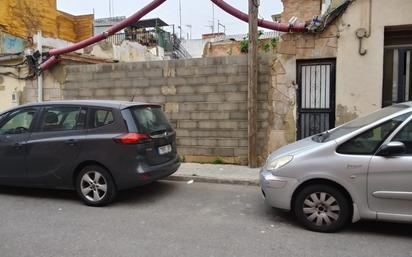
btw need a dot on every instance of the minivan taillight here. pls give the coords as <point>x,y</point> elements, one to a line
<point>131,138</point>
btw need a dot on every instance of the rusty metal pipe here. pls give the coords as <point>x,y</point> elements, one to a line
<point>283,27</point>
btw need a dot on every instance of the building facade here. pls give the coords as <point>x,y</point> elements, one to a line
<point>355,65</point>
<point>23,18</point>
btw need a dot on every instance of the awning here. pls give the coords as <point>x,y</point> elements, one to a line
<point>150,23</point>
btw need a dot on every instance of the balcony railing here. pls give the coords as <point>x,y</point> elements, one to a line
<point>151,38</point>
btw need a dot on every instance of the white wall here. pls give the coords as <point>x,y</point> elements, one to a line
<point>195,47</point>
<point>7,86</point>
<point>126,52</point>
<point>360,78</point>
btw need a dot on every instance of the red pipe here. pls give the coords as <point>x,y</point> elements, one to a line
<point>301,27</point>
<point>48,63</point>
<point>116,28</point>
<point>283,27</point>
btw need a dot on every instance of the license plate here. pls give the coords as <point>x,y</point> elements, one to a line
<point>165,149</point>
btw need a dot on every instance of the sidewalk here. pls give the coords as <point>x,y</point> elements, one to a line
<point>216,173</point>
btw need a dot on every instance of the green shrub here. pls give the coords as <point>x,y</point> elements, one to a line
<point>218,161</point>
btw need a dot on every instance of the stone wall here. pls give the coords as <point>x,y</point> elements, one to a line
<point>233,48</point>
<point>224,48</point>
<point>293,47</point>
<point>205,99</point>
<point>304,10</point>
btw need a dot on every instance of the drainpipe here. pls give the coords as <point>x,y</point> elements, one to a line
<point>40,76</point>
<point>111,31</point>
<point>283,27</point>
<point>370,19</point>
<point>362,33</point>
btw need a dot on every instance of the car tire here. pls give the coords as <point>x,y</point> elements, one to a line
<point>322,208</point>
<point>95,186</point>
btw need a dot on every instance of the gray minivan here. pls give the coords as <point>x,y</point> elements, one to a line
<point>360,170</point>
<point>95,147</point>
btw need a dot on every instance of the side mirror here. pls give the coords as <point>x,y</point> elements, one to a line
<point>392,148</point>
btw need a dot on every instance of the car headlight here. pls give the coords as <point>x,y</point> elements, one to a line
<point>278,163</point>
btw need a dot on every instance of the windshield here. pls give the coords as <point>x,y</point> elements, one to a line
<point>151,120</point>
<point>359,123</point>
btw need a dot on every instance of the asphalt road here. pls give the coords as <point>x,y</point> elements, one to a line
<point>177,219</point>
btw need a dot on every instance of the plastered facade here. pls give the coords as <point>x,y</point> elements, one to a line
<point>23,18</point>
<point>360,78</point>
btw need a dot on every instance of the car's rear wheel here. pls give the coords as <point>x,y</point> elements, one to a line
<point>322,208</point>
<point>95,186</point>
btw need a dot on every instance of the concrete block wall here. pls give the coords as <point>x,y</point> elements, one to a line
<point>205,99</point>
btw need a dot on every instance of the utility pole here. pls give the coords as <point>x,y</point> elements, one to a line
<point>40,77</point>
<point>113,14</point>
<point>253,82</point>
<point>180,17</point>
<point>213,18</point>
<point>110,8</point>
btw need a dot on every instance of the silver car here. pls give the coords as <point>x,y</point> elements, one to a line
<point>360,170</point>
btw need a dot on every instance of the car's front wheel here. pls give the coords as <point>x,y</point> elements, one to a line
<point>95,186</point>
<point>322,208</point>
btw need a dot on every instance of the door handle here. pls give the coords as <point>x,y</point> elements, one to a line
<point>71,142</point>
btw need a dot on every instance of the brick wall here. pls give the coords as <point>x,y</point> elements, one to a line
<point>205,99</point>
<point>303,9</point>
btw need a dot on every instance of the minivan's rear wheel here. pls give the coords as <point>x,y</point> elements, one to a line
<point>95,186</point>
<point>322,208</point>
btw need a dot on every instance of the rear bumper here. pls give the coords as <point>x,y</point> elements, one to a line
<point>144,173</point>
<point>159,171</point>
<point>276,190</point>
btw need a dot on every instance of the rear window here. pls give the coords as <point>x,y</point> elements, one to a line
<point>150,119</point>
<point>101,117</point>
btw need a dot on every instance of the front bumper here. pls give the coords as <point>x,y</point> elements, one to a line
<point>276,190</point>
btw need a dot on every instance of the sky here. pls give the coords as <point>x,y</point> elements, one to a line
<point>197,13</point>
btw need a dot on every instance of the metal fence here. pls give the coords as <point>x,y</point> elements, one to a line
<point>151,38</point>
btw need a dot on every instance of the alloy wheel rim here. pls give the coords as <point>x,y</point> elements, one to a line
<point>321,209</point>
<point>93,186</point>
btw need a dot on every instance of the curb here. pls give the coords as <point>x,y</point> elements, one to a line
<point>214,180</point>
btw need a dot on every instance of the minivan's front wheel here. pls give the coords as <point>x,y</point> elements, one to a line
<point>322,208</point>
<point>95,186</point>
